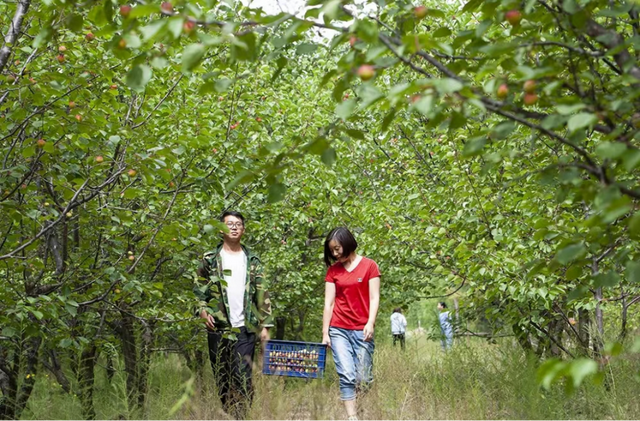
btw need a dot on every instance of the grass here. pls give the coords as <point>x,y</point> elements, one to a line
<point>476,380</point>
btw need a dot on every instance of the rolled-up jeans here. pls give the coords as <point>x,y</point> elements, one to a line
<point>353,358</point>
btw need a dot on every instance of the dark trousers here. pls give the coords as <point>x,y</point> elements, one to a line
<point>398,337</point>
<point>232,363</point>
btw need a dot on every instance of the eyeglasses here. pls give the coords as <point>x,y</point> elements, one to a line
<point>238,225</point>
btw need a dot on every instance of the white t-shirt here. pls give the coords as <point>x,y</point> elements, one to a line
<point>398,323</point>
<point>237,264</point>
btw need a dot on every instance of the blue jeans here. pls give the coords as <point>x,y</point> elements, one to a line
<point>353,358</point>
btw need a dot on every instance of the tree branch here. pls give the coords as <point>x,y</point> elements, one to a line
<point>12,36</point>
<point>135,126</point>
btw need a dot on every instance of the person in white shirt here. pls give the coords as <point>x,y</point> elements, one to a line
<point>398,326</point>
<point>445,326</point>
<point>234,303</point>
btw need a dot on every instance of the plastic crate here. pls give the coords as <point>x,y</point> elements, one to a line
<point>294,359</point>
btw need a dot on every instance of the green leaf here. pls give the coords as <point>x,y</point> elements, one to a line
<point>616,209</point>
<point>474,146</point>
<point>175,26</point>
<point>447,85</point>
<point>471,5</point>
<point>607,280</point>
<point>73,311</point>
<point>191,56</point>
<point>345,108</point>
<point>329,156</point>
<point>581,368</point>
<point>634,225</point>
<point>482,28</point>
<point>631,159</point>
<point>570,253</point>
<point>581,120</point>
<point>549,371</point>
<point>356,134</point>
<point>43,36</point>
<point>74,22</point>
<point>133,40</point>
<point>613,349</point>
<point>276,192</point>
<point>570,6</point>
<point>306,48</point>
<point>424,105</point>
<point>574,272</point>
<point>8,331</point>
<point>610,150</point>
<point>633,272</point>
<point>208,228</point>
<point>567,109</point>
<point>441,32</point>
<point>65,343</point>
<point>144,10</point>
<point>138,77</point>
<point>578,293</point>
<point>159,63</point>
<point>222,85</point>
<point>369,95</point>
<point>152,30</point>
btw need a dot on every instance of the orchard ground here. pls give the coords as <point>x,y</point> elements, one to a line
<point>477,380</point>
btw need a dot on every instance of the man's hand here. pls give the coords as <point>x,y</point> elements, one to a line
<point>264,335</point>
<point>208,319</point>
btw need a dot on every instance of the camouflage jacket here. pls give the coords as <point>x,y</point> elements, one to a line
<point>211,292</point>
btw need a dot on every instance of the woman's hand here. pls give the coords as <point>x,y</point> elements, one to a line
<point>368,332</point>
<point>326,339</point>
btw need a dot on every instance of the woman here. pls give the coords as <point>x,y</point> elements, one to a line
<point>351,300</point>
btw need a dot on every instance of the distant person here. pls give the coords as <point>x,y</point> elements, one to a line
<point>445,326</point>
<point>398,327</point>
<point>235,307</point>
<point>351,300</point>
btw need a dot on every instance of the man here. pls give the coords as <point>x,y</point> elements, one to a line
<point>398,326</point>
<point>445,326</point>
<point>234,304</point>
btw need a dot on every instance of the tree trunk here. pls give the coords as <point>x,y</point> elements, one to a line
<point>51,363</point>
<point>584,320</point>
<point>199,362</point>
<point>599,337</point>
<point>9,387</point>
<point>145,358</point>
<point>111,370</point>
<point>281,323</point>
<point>13,32</point>
<point>456,307</point>
<point>555,331</point>
<point>300,328</point>
<point>31,367</point>
<point>86,381</point>
<point>522,336</point>
<point>130,354</point>
<point>623,315</point>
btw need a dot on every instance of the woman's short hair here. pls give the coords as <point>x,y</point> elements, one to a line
<point>397,310</point>
<point>443,304</point>
<point>343,237</point>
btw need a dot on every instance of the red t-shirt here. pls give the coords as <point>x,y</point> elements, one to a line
<point>351,308</point>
